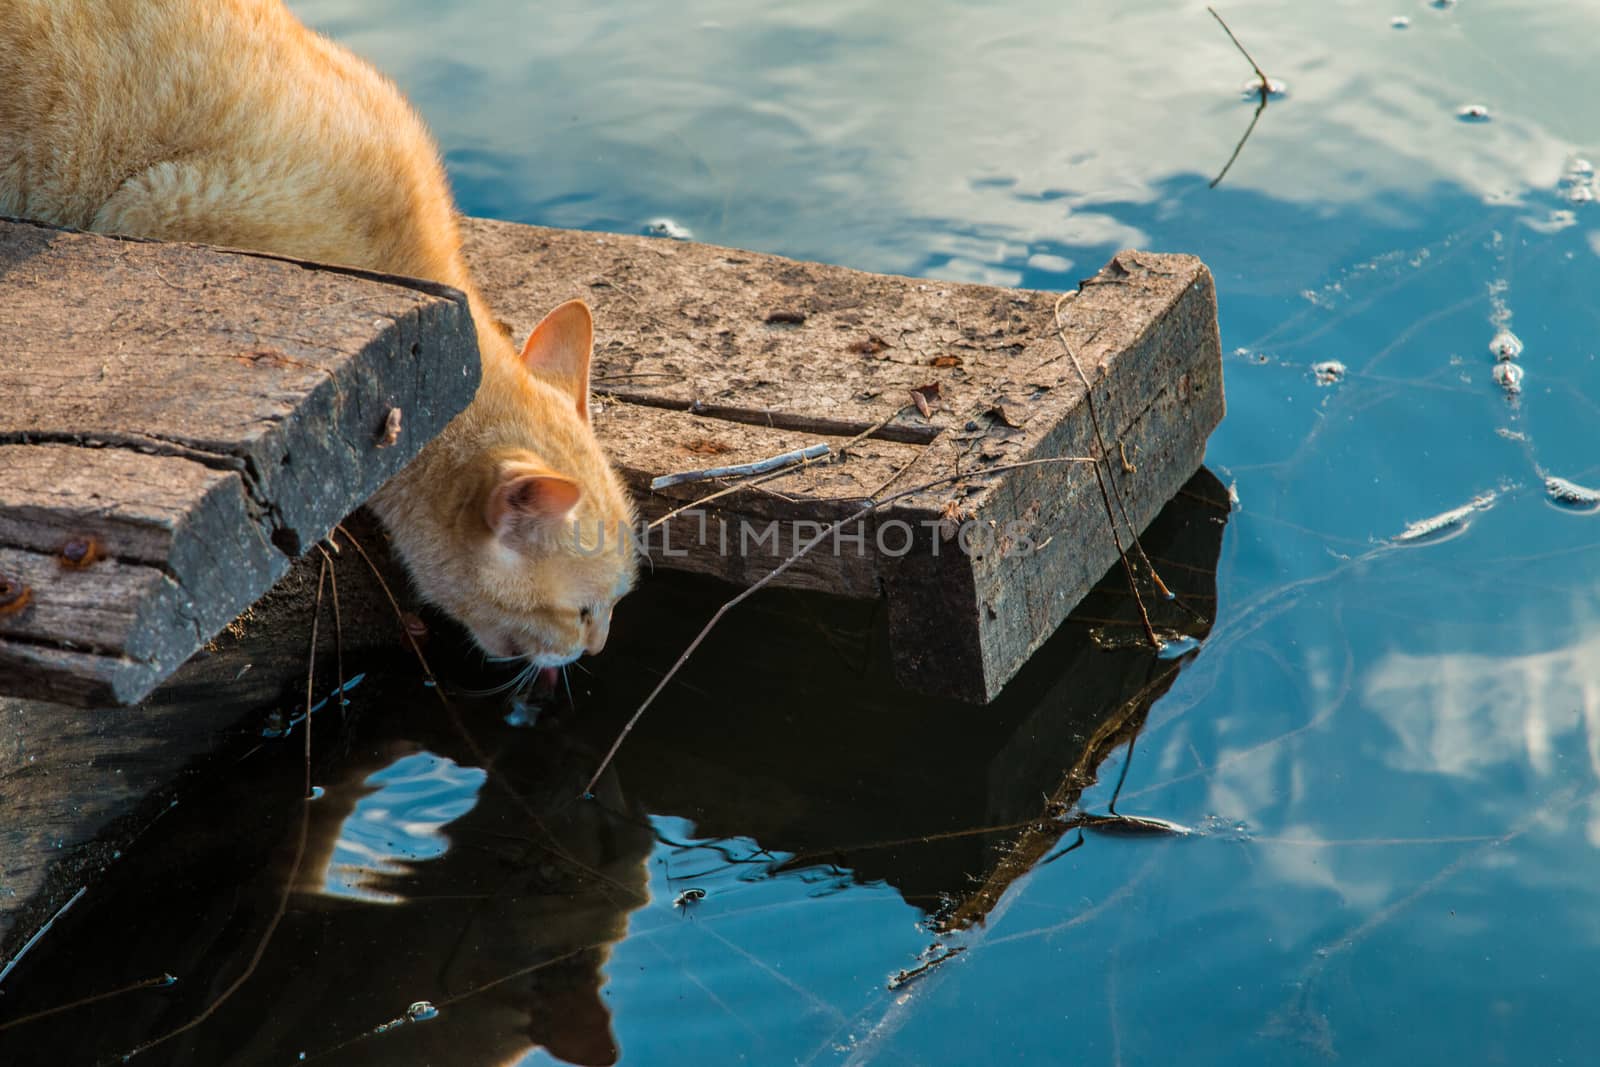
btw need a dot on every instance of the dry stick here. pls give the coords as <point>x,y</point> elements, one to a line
<point>261,946</point>
<point>311,664</point>
<point>1105,497</point>
<point>841,451</point>
<point>1265,89</point>
<point>739,470</point>
<point>861,512</point>
<point>338,626</point>
<point>465,994</point>
<point>159,980</point>
<point>398,614</point>
<point>1261,74</point>
<point>1248,130</point>
<point>1094,419</point>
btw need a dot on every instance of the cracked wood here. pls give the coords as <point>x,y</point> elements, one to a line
<point>206,415</point>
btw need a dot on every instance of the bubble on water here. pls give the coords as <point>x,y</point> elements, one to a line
<point>1251,90</point>
<point>1581,194</point>
<point>1446,524</point>
<point>317,793</point>
<point>421,1012</point>
<point>665,227</point>
<point>1400,22</point>
<point>1571,495</point>
<point>1442,4</point>
<point>1473,113</point>
<point>1506,345</point>
<point>1508,376</point>
<point>1328,372</point>
<point>1581,166</point>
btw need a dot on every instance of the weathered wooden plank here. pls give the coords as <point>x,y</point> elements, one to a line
<point>696,340</point>
<point>204,415</point>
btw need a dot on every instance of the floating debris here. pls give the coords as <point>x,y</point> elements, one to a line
<point>1444,526</point>
<point>665,227</point>
<point>1177,647</point>
<point>1400,22</point>
<point>1328,372</point>
<point>1472,113</point>
<point>1442,4</point>
<point>1571,495</point>
<point>1509,377</point>
<point>1135,825</point>
<point>1251,90</point>
<point>1506,345</point>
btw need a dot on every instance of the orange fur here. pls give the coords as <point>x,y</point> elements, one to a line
<point>228,122</point>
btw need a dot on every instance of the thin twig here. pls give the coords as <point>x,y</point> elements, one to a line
<point>1264,87</point>
<point>760,466</point>
<point>1265,81</point>
<point>398,614</point>
<point>906,977</point>
<point>311,664</point>
<point>842,451</point>
<point>261,945</point>
<point>870,506</point>
<point>1248,130</point>
<point>1101,478</point>
<point>338,625</point>
<point>38,935</point>
<point>81,1002</point>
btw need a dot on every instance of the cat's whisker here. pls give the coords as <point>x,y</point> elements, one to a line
<point>516,682</point>
<point>567,682</point>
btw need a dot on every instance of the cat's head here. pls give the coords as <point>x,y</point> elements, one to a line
<point>512,521</point>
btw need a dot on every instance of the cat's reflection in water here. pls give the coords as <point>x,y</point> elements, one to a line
<point>504,931</point>
<point>442,863</point>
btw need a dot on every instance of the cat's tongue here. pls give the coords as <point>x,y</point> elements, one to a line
<point>545,681</point>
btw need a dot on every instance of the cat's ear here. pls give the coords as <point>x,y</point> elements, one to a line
<point>525,495</point>
<point>559,348</point>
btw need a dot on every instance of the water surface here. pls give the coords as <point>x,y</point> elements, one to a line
<point>1390,736</point>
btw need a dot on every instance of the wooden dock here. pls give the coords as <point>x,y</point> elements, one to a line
<point>180,423</point>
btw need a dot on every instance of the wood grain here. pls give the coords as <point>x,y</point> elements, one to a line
<point>206,416</point>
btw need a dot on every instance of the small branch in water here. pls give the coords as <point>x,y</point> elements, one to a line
<point>1264,87</point>
<point>311,664</point>
<point>1266,82</point>
<point>38,935</point>
<point>82,1002</point>
<point>763,466</point>
<point>906,977</point>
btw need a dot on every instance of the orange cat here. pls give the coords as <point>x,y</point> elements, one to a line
<point>228,122</point>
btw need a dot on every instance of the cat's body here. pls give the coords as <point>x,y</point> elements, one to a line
<point>228,122</point>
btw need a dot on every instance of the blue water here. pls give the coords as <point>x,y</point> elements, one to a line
<point>1391,743</point>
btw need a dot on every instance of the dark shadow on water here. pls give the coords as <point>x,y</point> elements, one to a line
<point>450,861</point>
